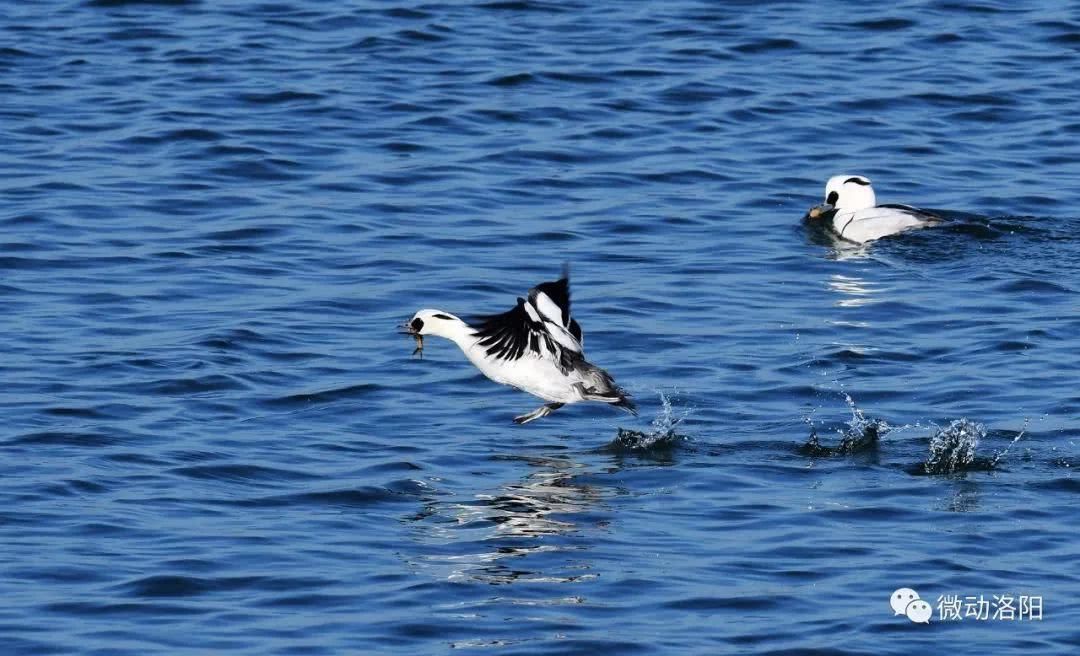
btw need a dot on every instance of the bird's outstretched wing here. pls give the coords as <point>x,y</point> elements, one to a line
<point>552,302</point>
<point>540,325</point>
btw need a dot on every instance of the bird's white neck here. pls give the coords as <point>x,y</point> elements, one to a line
<point>457,331</point>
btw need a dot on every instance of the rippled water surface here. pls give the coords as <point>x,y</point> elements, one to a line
<point>215,214</point>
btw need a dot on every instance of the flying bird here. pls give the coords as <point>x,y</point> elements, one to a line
<point>534,347</point>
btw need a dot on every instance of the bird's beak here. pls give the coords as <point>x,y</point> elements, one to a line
<point>408,330</point>
<point>819,211</point>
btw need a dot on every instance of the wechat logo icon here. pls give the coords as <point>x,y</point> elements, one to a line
<point>906,601</point>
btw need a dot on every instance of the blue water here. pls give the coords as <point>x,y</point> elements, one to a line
<point>215,214</point>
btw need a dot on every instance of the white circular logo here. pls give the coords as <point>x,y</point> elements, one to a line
<point>919,611</point>
<point>900,600</point>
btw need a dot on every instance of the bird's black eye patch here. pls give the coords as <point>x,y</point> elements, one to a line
<point>417,324</point>
<point>442,316</point>
<point>833,197</point>
<point>862,181</point>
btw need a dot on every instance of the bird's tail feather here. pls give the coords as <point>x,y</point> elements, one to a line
<point>617,397</point>
<point>604,389</point>
<point>626,403</point>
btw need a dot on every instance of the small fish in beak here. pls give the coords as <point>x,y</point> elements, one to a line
<point>821,210</point>
<point>407,329</point>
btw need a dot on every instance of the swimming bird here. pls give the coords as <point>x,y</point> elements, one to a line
<point>534,347</point>
<point>851,212</point>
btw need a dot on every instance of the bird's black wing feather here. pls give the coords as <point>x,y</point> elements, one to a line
<point>559,293</point>
<point>913,210</point>
<point>506,336</point>
<point>575,330</point>
<point>512,334</point>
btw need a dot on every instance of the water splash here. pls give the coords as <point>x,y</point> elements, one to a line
<point>952,449</point>
<point>1001,454</point>
<point>851,442</point>
<point>858,435</point>
<point>668,419</point>
<point>859,424</point>
<point>660,437</point>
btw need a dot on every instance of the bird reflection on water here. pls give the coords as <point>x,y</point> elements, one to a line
<point>533,520</point>
<point>548,519</point>
<point>853,291</point>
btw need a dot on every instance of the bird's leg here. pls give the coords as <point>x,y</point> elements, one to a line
<point>542,411</point>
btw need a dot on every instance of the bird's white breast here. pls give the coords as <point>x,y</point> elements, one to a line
<point>537,375</point>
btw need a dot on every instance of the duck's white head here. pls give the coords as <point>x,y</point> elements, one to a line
<point>433,322</point>
<point>845,193</point>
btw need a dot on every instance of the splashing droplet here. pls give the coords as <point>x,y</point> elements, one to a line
<point>860,425</point>
<point>662,435</point>
<point>860,435</point>
<point>952,449</point>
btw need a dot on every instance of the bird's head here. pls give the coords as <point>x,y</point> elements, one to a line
<point>844,193</point>
<point>430,322</point>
